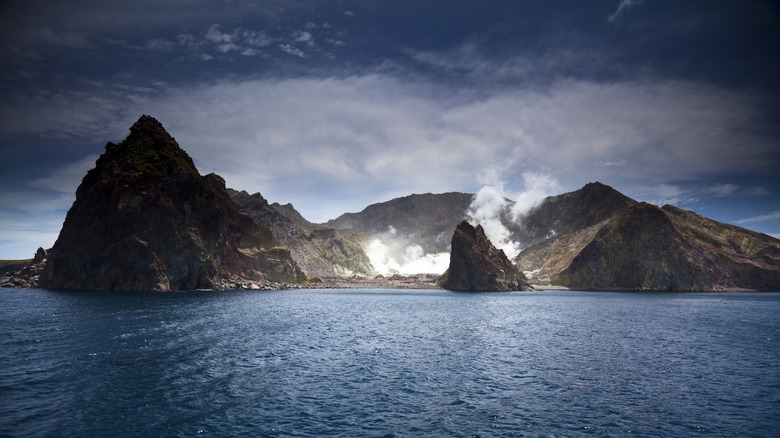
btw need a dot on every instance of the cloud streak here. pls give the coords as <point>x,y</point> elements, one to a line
<point>623,6</point>
<point>770,217</point>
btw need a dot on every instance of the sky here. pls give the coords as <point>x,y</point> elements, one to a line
<point>335,105</point>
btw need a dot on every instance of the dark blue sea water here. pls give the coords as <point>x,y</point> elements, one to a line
<point>389,363</point>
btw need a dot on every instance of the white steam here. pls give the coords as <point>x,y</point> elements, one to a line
<point>492,204</point>
<point>487,208</point>
<point>391,254</point>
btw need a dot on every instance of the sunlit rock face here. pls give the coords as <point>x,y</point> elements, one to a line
<point>476,265</point>
<point>145,219</point>
<point>318,250</point>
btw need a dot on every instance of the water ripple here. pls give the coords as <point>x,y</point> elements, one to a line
<point>388,363</point>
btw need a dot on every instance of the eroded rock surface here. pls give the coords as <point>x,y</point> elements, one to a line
<point>145,219</point>
<point>476,265</point>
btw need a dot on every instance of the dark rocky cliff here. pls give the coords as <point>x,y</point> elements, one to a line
<point>476,265</point>
<point>319,250</point>
<point>145,219</point>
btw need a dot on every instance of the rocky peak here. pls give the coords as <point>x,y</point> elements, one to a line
<point>476,265</point>
<point>40,255</point>
<point>149,151</point>
<point>145,219</point>
<point>148,127</point>
<point>28,274</point>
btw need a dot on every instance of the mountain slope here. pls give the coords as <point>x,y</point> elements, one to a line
<point>644,247</point>
<point>554,232</point>
<point>426,220</point>
<point>598,238</point>
<point>318,250</point>
<point>571,212</point>
<point>145,219</point>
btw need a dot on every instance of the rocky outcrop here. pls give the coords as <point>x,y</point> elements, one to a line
<point>570,212</point>
<point>476,265</point>
<point>318,250</point>
<point>145,219</point>
<point>28,274</point>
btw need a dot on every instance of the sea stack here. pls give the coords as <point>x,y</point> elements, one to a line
<point>476,265</point>
<point>145,219</point>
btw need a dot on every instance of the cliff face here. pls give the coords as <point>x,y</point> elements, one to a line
<point>318,250</point>
<point>145,219</point>
<point>476,265</point>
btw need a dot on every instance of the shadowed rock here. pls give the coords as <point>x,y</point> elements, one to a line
<point>476,265</point>
<point>145,219</point>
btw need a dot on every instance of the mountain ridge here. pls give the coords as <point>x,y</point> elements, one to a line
<point>145,219</point>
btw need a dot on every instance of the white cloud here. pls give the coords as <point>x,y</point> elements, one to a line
<point>336,144</point>
<point>160,44</point>
<point>72,40</point>
<point>67,178</point>
<point>492,205</point>
<point>487,208</point>
<point>292,50</point>
<point>757,191</point>
<point>389,258</point>
<point>622,7</point>
<point>240,40</point>
<point>391,254</point>
<point>216,36</point>
<point>537,186</point>
<point>770,217</point>
<point>723,190</point>
<point>303,37</point>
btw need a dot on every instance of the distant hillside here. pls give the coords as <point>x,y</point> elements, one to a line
<point>318,250</point>
<point>570,212</point>
<point>12,265</point>
<point>595,238</point>
<point>427,220</point>
<point>604,240</point>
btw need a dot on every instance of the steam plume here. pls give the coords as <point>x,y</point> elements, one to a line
<point>391,253</point>
<point>491,208</point>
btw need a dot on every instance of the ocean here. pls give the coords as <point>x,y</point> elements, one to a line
<point>388,363</point>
